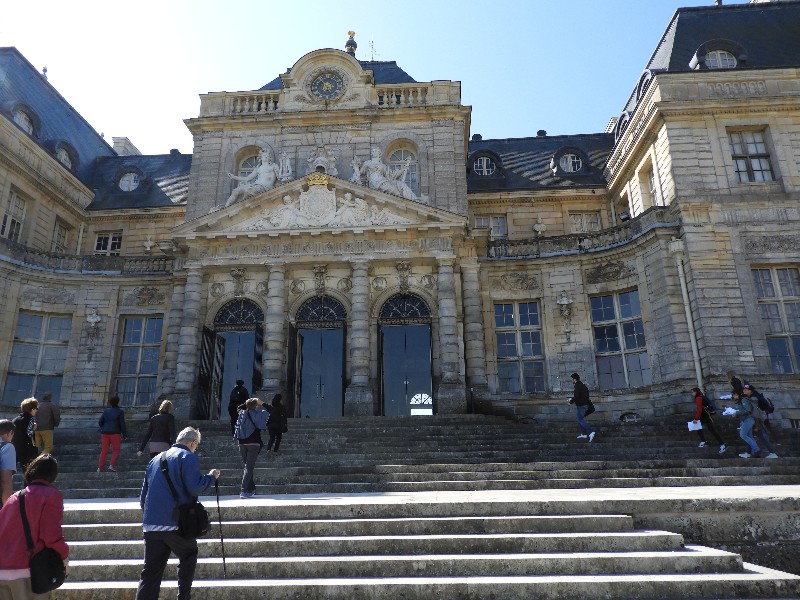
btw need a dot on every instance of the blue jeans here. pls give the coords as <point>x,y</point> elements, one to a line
<point>249,455</point>
<point>746,433</point>
<point>580,414</point>
<point>764,437</point>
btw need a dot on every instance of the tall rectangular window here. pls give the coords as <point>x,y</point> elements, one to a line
<point>108,243</point>
<point>619,342</point>
<point>778,292</point>
<point>520,354</point>
<point>137,368</point>
<point>13,217</point>
<point>750,156</point>
<point>59,243</point>
<point>38,354</point>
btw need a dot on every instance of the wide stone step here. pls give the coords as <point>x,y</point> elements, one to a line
<point>638,541</point>
<point>752,582</point>
<point>691,560</point>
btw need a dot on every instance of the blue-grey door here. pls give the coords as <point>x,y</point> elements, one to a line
<point>406,370</point>
<point>321,371</point>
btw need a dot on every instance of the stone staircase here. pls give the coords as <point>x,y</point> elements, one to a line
<point>449,507</point>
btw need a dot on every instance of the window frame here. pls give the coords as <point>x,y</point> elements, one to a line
<point>143,391</point>
<point>779,300</point>
<point>746,158</point>
<point>45,352</point>
<point>496,224</point>
<point>623,327</point>
<point>112,245</point>
<point>133,177</point>
<point>484,166</point>
<point>516,330</point>
<point>396,164</point>
<point>584,228</point>
<point>60,242</point>
<point>13,217</point>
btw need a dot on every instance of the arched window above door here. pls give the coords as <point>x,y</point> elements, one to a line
<point>404,308</point>
<point>321,311</point>
<point>239,314</point>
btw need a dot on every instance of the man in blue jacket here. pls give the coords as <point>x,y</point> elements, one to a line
<point>160,524</point>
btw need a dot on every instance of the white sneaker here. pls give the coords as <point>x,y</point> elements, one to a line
<point>246,495</point>
<point>722,448</point>
<point>702,444</point>
<point>744,455</point>
<point>582,436</point>
<point>591,436</point>
<point>772,455</point>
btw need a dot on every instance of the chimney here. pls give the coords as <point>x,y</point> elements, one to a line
<point>124,147</point>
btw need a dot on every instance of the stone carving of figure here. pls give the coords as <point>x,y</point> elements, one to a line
<point>287,216</point>
<point>263,178</point>
<point>324,157</point>
<point>284,168</point>
<point>380,177</point>
<point>351,211</point>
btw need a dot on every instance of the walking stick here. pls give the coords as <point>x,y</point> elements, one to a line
<point>221,539</point>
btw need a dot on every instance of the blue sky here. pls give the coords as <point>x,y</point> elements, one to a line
<point>566,66</point>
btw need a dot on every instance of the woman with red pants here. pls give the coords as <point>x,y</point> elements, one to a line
<point>112,431</point>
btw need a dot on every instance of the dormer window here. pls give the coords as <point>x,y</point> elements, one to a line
<point>570,163</point>
<point>129,181</point>
<point>720,59</point>
<point>24,120</point>
<point>63,157</point>
<point>484,166</point>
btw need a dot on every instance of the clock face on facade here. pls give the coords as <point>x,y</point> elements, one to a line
<point>327,86</point>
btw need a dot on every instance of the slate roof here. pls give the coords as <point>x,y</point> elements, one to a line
<point>165,181</point>
<point>384,71</point>
<point>769,33</point>
<point>58,122</point>
<point>526,162</point>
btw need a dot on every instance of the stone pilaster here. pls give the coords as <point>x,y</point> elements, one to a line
<point>452,392</point>
<point>358,398</point>
<point>174,319</point>
<point>274,330</point>
<point>188,341</point>
<point>474,344</point>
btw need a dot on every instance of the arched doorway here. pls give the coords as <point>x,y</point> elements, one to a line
<point>405,344</point>
<point>319,358</point>
<point>231,350</point>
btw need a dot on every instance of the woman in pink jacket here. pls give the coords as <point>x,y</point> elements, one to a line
<point>44,507</point>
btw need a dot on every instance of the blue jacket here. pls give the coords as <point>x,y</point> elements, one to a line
<point>250,421</point>
<point>113,421</point>
<point>156,498</point>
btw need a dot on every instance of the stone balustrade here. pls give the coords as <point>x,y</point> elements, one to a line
<point>396,96</point>
<point>253,103</point>
<point>133,265</point>
<point>580,243</point>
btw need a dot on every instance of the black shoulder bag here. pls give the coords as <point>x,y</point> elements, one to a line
<point>193,520</point>
<point>47,568</point>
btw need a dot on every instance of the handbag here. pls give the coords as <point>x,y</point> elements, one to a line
<point>47,569</point>
<point>284,425</point>
<point>589,409</point>
<point>193,520</point>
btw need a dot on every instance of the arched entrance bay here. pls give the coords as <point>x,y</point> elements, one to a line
<point>231,350</point>
<point>319,358</point>
<point>405,344</point>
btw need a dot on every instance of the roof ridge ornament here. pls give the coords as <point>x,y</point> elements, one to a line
<point>350,45</point>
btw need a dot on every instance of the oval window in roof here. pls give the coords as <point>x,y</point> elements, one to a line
<point>720,59</point>
<point>63,157</point>
<point>484,165</point>
<point>129,181</point>
<point>570,163</point>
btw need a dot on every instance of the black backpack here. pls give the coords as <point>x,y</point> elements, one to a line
<point>765,404</point>
<point>709,405</point>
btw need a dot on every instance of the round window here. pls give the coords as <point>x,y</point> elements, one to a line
<point>484,165</point>
<point>129,182</point>
<point>570,163</point>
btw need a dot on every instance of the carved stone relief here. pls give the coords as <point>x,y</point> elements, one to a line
<point>319,278</point>
<point>379,283</point>
<point>324,157</point>
<point>345,284</point>
<point>144,296</point>
<point>238,281</point>
<point>262,288</point>
<point>298,286</point>
<point>217,289</point>
<point>429,281</point>
<point>773,243</point>
<point>519,281</point>
<point>612,271</point>
<point>403,272</point>
<point>48,295</point>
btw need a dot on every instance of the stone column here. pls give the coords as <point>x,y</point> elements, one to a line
<point>173,334</point>
<point>358,397</point>
<point>274,336</point>
<point>188,341</point>
<point>452,392</point>
<point>474,344</point>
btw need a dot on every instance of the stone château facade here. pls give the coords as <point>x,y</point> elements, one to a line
<point>389,263</point>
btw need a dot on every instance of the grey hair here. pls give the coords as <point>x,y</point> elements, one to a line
<point>190,434</point>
